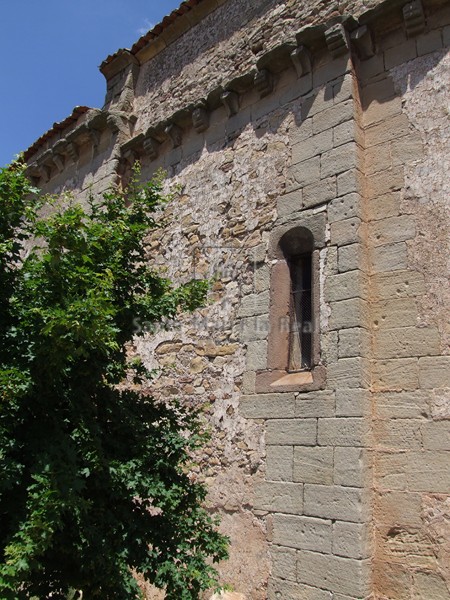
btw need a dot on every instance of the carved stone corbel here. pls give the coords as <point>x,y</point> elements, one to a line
<point>264,82</point>
<point>58,160</point>
<point>130,155</point>
<point>174,133</point>
<point>151,147</point>
<point>34,173</point>
<point>231,102</point>
<point>72,151</point>
<point>45,172</point>
<point>363,42</point>
<point>95,136</point>
<point>414,18</point>
<point>200,117</point>
<point>337,40</point>
<point>46,163</point>
<point>301,59</point>
<point>120,122</point>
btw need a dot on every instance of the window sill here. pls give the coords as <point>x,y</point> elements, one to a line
<point>282,381</point>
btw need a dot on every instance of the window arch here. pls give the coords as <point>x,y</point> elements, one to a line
<point>293,358</point>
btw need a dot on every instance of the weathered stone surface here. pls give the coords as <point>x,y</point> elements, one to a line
<point>292,432</point>
<point>254,304</point>
<point>349,373</point>
<point>268,406</point>
<point>346,314</point>
<point>396,375</point>
<point>434,372</point>
<point>315,145</point>
<point>354,342</point>
<point>279,463</point>
<point>343,431</point>
<point>302,532</point>
<point>406,341</point>
<point>339,160</point>
<point>402,405</point>
<point>347,231</point>
<point>341,575</point>
<point>428,471</point>
<point>344,286</point>
<point>345,207</point>
<point>391,257</point>
<point>256,357</point>
<point>393,229</point>
<point>284,563</point>
<point>351,540</point>
<point>279,497</point>
<point>335,502</point>
<point>352,467</point>
<point>353,403</point>
<point>352,257</point>
<point>313,465</point>
<point>279,588</point>
<point>315,404</point>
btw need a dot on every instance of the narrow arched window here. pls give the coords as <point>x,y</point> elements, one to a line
<point>293,344</point>
<point>297,246</point>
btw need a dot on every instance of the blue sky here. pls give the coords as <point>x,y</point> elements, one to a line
<point>50,52</point>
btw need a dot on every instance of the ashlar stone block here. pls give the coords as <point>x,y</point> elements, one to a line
<point>406,341</point>
<point>345,207</point>
<point>343,431</point>
<point>279,462</point>
<point>267,406</point>
<point>338,160</point>
<point>352,466</point>
<point>279,588</point>
<point>313,465</point>
<point>351,540</point>
<point>335,502</point>
<point>279,497</point>
<point>292,432</point>
<point>302,532</point>
<point>284,563</point>
<point>346,576</point>
<point>332,116</point>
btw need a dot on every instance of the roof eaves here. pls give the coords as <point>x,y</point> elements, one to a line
<point>77,112</point>
<point>155,32</point>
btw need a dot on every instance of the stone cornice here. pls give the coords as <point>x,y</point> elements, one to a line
<point>66,150</point>
<point>339,36</point>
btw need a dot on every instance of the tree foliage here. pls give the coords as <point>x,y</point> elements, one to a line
<point>94,475</point>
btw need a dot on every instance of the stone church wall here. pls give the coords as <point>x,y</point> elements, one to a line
<point>332,483</point>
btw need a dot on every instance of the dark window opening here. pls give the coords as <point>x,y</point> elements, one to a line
<point>301,315</point>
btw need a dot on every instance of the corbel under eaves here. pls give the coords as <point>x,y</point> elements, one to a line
<point>230,100</point>
<point>337,40</point>
<point>200,116</point>
<point>264,82</point>
<point>120,122</point>
<point>363,42</point>
<point>151,147</point>
<point>301,59</point>
<point>174,133</point>
<point>414,18</point>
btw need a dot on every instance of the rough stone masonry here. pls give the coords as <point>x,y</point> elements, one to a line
<point>315,129</point>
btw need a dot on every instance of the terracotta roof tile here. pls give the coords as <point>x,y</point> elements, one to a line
<point>60,126</point>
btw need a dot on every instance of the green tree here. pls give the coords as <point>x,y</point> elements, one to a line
<point>95,478</point>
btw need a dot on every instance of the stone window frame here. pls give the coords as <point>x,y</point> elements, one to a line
<point>276,377</point>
